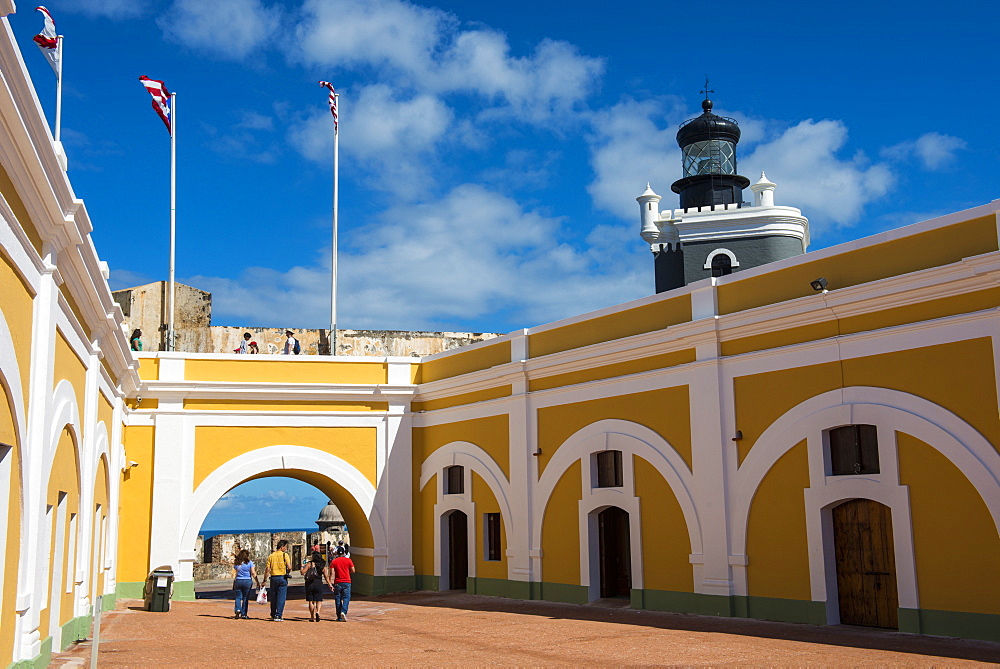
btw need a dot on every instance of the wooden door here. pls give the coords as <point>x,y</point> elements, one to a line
<point>458,550</point>
<point>616,553</point>
<point>866,564</point>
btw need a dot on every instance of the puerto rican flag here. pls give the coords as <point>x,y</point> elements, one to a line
<point>48,40</point>
<point>333,102</point>
<point>161,98</point>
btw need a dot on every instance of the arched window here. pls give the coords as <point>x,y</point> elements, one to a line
<point>454,482</point>
<point>609,469</point>
<point>722,265</point>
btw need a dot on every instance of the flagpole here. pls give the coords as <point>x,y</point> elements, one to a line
<point>173,218</point>
<point>59,75</point>
<point>333,250</point>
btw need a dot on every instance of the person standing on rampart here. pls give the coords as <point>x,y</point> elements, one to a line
<point>278,567</point>
<point>291,344</point>
<point>343,567</point>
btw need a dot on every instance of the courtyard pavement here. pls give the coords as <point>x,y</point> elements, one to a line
<point>430,628</point>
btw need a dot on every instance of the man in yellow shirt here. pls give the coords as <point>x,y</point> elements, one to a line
<point>279,565</point>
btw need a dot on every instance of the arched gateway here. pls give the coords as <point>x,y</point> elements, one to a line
<point>206,425</point>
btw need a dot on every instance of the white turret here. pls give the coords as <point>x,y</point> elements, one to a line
<point>649,213</point>
<point>763,192</point>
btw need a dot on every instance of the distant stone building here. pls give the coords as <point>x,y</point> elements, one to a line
<point>332,528</point>
<point>144,307</point>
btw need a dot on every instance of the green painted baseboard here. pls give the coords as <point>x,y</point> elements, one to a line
<point>183,591</point>
<point>77,629</point>
<point>366,584</point>
<point>421,582</point>
<point>984,626</point>
<point>43,658</point>
<point>130,590</point>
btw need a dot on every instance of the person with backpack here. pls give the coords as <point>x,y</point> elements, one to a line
<point>291,344</point>
<point>315,571</point>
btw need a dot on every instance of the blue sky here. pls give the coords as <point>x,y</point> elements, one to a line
<point>491,152</point>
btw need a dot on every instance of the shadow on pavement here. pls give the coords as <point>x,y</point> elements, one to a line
<point>833,635</point>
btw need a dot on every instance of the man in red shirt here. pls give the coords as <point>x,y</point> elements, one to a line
<point>343,567</point>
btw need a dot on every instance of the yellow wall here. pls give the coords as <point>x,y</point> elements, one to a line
<point>933,248</point>
<point>561,530</point>
<point>149,369</point>
<point>486,502</point>
<point>215,446</point>
<point>256,369</point>
<point>136,500</point>
<point>761,399</point>
<point>955,542</point>
<point>423,524</point>
<point>71,368</point>
<point>455,364</point>
<point>12,507</point>
<point>16,303</point>
<point>106,414</point>
<point>958,376</point>
<point>63,477</point>
<point>648,318</point>
<point>463,398</point>
<point>665,542</point>
<point>667,412</point>
<point>777,549</point>
<point>101,482</point>
<point>491,434</point>
<point>642,364</point>
<point>20,212</point>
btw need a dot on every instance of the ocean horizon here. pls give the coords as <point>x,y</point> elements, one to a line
<point>211,533</point>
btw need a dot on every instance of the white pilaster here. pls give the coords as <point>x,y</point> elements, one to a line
<point>523,468</point>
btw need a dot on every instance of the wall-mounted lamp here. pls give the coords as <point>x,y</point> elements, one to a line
<point>132,463</point>
<point>819,285</point>
<point>739,435</point>
<point>138,400</point>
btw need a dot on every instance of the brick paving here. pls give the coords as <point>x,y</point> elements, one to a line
<point>425,629</point>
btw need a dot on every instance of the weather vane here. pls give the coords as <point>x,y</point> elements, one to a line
<point>707,89</point>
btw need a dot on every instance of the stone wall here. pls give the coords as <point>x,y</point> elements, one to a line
<point>145,308</point>
<point>218,552</point>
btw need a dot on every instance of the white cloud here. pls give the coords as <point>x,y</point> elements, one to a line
<point>112,9</point>
<point>933,150</point>
<point>629,149</point>
<point>232,29</point>
<point>804,163</point>
<point>394,138</point>
<point>426,49</point>
<point>444,265</point>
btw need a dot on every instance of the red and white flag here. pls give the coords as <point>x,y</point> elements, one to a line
<point>48,41</point>
<point>161,98</point>
<point>333,101</point>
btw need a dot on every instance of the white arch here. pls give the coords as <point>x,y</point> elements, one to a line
<point>641,441</point>
<point>721,251</point>
<point>65,412</point>
<point>891,411</point>
<point>276,458</point>
<point>473,458</point>
<point>10,377</point>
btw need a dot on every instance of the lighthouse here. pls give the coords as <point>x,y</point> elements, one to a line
<point>714,232</point>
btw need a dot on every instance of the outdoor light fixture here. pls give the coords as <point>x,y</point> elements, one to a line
<point>819,285</point>
<point>132,463</point>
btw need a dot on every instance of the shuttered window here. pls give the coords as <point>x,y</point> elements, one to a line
<point>854,450</point>
<point>609,469</point>
<point>454,481</point>
<point>492,532</point>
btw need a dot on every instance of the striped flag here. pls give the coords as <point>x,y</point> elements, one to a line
<point>47,40</point>
<point>333,101</point>
<point>161,98</point>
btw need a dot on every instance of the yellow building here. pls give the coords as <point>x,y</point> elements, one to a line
<point>740,446</point>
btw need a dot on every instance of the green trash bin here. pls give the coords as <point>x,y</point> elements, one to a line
<point>159,587</point>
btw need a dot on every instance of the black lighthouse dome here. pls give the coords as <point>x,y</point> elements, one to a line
<point>708,155</point>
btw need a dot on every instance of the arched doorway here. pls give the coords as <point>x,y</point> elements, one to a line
<point>615,551</point>
<point>456,548</point>
<point>866,563</point>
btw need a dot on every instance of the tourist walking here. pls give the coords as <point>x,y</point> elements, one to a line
<point>135,341</point>
<point>343,567</point>
<point>244,348</point>
<point>245,578</point>
<point>278,567</point>
<point>316,572</point>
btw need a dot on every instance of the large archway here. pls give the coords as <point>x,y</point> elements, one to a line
<point>336,479</point>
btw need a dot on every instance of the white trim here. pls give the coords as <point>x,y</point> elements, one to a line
<point>277,458</point>
<point>631,439</point>
<point>721,251</point>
